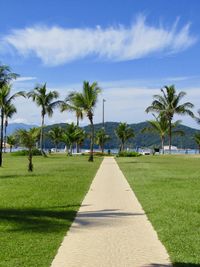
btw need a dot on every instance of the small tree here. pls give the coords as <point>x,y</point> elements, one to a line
<point>101,138</point>
<point>124,133</point>
<point>28,139</point>
<point>55,134</point>
<point>11,140</point>
<point>160,126</point>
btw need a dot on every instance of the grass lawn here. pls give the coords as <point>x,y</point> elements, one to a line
<point>36,209</point>
<point>168,187</point>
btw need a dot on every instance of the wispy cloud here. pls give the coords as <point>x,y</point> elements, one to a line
<point>56,45</point>
<point>24,79</point>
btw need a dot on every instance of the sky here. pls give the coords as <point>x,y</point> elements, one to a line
<point>131,48</point>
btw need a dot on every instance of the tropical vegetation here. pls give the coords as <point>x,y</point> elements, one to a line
<point>124,133</point>
<point>168,104</point>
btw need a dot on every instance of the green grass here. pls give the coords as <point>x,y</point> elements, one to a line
<point>168,187</point>
<point>36,209</point>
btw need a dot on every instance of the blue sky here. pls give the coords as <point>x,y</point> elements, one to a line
<point>132,48</point>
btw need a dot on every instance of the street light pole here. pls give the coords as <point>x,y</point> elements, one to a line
<point>103,114</point>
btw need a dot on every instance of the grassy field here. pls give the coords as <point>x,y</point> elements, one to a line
<point>36,209</point>
<point>168,187</point>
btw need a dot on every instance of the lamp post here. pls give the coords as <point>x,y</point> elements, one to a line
<point>103,114</point>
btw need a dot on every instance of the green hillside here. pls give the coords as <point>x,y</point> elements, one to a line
<point>140,140</point>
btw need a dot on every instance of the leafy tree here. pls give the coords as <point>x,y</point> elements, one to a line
<point>11,140</point>
<point>86,101</point>
<point>44,100</point>
<point>101,138</point>
<point>197,140</point>
<point>168,104</point>
<point>55,134</point>
<point>160,126</point>
<point>9,111</point>
<point>124,133</point>
<point>28,139</point>
<point>6,100</point>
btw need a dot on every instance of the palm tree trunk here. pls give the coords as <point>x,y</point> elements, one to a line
<point>122,147</point>
<point>170,135</point>
<point>10,148</point>
<point>91,157</point>
<point>41,136</point>
<point>5,135</point>
<point>30,164</point>
<point>77,145</point>
<point>162,144</point>
<point>199,149</point>
<point>1,141</point>
<point>56,147</point>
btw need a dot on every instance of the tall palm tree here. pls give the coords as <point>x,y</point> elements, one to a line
<point>28,138</point>
<point>124,133</point>
<point>11,140</point>
<point>160,126</point>
<point>70,105</point>
<point>44,100</point>
<point>55,134</point>
<point>6,75</point>
<point>5,100</point>
<point>101,138</point>
<point>197,140</point>
<point>9,111</point>
<point>168,104</point>
<point>86,101</point>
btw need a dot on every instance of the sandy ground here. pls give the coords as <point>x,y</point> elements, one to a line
<point>111,228</point>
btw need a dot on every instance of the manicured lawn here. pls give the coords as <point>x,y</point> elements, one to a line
<point>168,187</point>
<point>36,209</point>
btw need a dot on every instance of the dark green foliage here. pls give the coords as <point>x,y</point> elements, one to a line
<point>128,154</point>
<point>24,152</point>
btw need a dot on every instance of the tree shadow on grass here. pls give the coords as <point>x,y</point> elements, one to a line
<point>56,218</point>
<point>38,220</point>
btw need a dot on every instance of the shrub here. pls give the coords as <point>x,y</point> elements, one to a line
<point>128,154</point>
<point>24,152</point>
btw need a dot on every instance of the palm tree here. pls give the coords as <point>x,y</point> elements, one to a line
<point>28,138</point>
<point>101,138</point>
<point>6,75</point>
<point>160,126</point>
<point>6,100</point>
<point>11,140</point>
<point>197,140</point>
<point>9,111</point>
<point>124,132</point>
<point>86,101</point>
<point>44,100</point>
<point>168,104</point>
<point>55,134</point>
<point>70,105</point>
<point>71,135</point>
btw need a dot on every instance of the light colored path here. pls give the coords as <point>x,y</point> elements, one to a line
<point>111,229</point>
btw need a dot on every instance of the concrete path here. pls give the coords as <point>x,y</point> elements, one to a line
<point>111,229</point>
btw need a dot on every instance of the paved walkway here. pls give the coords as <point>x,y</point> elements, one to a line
<point>111,229</point>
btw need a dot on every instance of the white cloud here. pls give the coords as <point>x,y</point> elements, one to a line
<point>56,45</point>
<point>24,79</point>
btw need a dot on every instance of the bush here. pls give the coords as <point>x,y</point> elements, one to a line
<point>128,154</point>
<point>24,152</point>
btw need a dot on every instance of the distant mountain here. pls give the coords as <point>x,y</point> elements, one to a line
<point>12,127</point>
<point>140,139</point>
